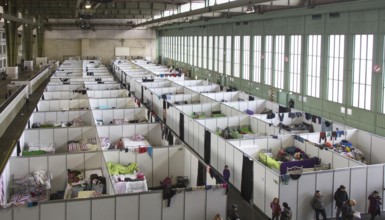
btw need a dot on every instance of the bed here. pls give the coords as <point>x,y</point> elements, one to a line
<point>127,178</point>
<point>89,144</point>
<point>287,158</point>
<point>346,148</point>
<point>238,132</point>
<point>202,115</point>
<point>135,141</point>
<point>38,149</point>
<point>84,184</point>
<point>77,122</point>
<point>30,189</point>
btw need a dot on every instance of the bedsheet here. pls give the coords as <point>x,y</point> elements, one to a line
<point>134,186</point>
<point>132,144</point>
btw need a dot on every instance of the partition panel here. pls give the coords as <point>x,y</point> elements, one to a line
<point>145,164</point>
<point>75,161</point>
<point>127,207</point>
<point>103,208</point>
<point>326,157</point>
<point>19,167</point>
<point>272,189</point>
<point>22,213</point>
<point>364,143</point>
<point>176,161</point>
<point>230,151</point>
<point>237,172</point>
<point>6,214</point>
<point>378,150</point>
<point>216,201</point>
<point>375,180</point>
<point>92,160</point>
<point>116,132</point>
<point>57,165</point>
<point>341,177</point>
<point>259,182</point>
<point>196,202</point>
<point>214,151</point>
<point>126,158</point>
<point>289,193</point>
<point>323,184</point>
<point>160,165</point>
<point>357,186</point>
<point>221,153</point>
<point>306,189</point>
<point>150,206</point>
<point>175,210</point>
<point>52,211</point>
<point>38,163</point>
<point>340,161</point>
<point>78,210</point>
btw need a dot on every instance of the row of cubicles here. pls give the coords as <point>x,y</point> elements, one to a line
<point>250,134</point>
<point>83,113</point>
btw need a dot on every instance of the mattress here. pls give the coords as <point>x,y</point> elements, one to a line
<point>131,144</point>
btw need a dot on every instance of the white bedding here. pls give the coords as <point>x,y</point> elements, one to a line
<point>132,144</point>
<point>122,187</point>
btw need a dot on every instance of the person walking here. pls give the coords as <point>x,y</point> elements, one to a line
<point>374,205</point>
<point>276,209</point>
<point>318,205</point>
<point>226,173</point>
<point>286,213</point>
<point>340,196</point>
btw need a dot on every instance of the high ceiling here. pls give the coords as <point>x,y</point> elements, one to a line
<point>118,14</point>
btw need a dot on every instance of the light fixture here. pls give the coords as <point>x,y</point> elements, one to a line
<point>249,9</point>
<point>87,5</point>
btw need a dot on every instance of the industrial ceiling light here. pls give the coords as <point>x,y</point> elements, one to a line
<point>87,5</point>
<point>249,9</point>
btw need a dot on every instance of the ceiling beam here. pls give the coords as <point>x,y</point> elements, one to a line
<point>224,6</point>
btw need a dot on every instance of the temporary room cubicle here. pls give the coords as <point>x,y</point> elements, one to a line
<point>120,116</point>
<point>116,93</point>
<point>232,96</point>
<point>59,140</point>
<point>63,105</point>
<point>255,107</point>
<point>176,113</point>
<point>198,203</point>
<point>98,86</point>
<point>203,89</point>
<point>52,87</point>
<point>76,79</point>
<point>111,103</point>
<point>73,118</point>
<point>69,94</point>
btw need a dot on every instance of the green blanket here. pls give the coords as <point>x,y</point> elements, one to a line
<point>269,162</point>
<point>118,169</point>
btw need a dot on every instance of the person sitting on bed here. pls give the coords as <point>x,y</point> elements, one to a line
<point>119,145</point>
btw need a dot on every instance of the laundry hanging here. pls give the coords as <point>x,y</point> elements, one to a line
<point>201,180</point>
<point>181,126</point>
<point>207,145</point>
<point>247,178</point>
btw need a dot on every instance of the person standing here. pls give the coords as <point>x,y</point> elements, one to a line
<point>234,215</point>
<point>226,173</point>
<point>286,213</point>
<point>374,205</point>
<point>340,196</point>
<point>347,209</point>
<point>275,208</point>
<point>318,205</point>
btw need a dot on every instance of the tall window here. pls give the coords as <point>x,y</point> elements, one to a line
<point>228,55</point>
<point>257,51</point>
<point>279,61</point>
<point>246,57</point>
<point>199,51</point>
<point>191,50</point>
<point>314,65</point>
<point>221,50</point>
<point>362,71</point>
<point>336,67</point>
<point>268,58</point>
<point>195,51</point>
<point>215,59</point>
<point>178,48</point>
<point>210,49</point>
<point>204,56</point>
<point>295,63</point>
<point>185,49</point>
<point>237,56</point>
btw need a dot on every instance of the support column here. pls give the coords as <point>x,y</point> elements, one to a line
<point>11,35</point>
<point>27,42</point>
<point>40,38</point>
